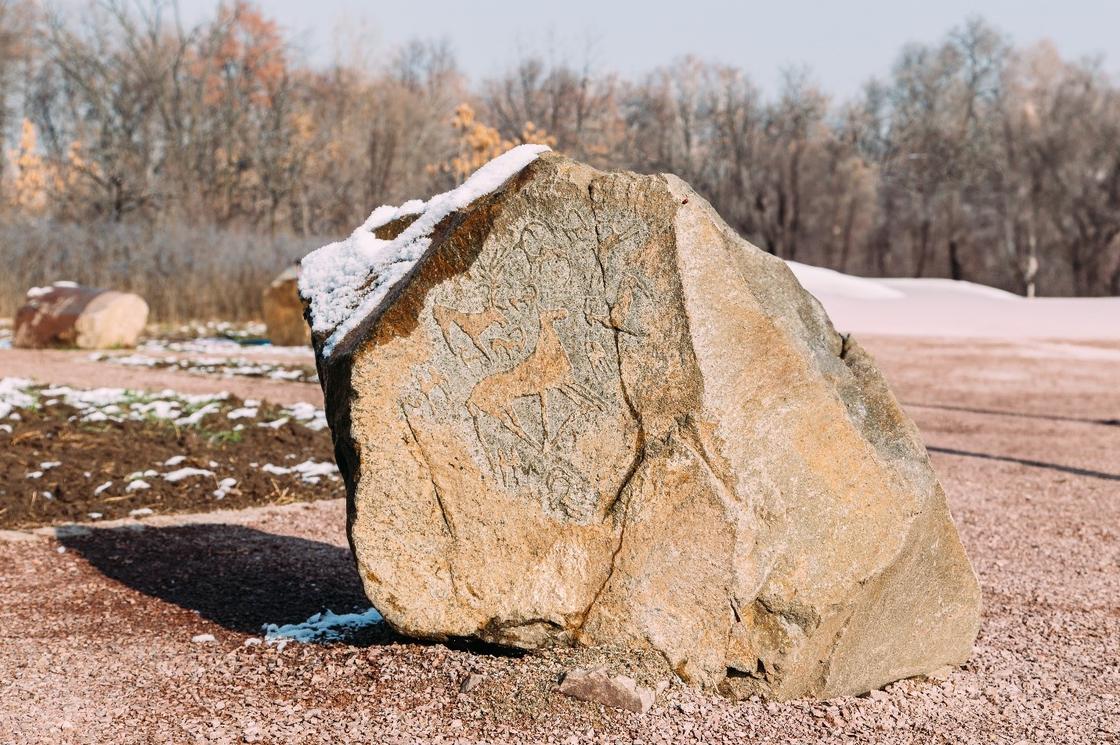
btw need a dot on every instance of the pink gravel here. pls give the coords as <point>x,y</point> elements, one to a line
<point>95,640</point>
<point>74,368</point>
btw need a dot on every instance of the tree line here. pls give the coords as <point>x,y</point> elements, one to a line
<point>972,159</point>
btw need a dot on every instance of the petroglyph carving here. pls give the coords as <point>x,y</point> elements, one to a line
<point>658,442</point>
<point>547,368</point>
<point>473,325</point>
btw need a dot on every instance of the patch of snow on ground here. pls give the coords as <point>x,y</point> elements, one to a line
<point>309,470</point>
<point>325,626</point>
<point>818,280</point>
<point>225,486</point>
<point>336,278</point>
<point>275,423</point>
<point>186,473</point>
<point>14,395</point>
<point>955,309</point>
<point>309,415</point>
<point>222,347</point>
<point>196,417</point>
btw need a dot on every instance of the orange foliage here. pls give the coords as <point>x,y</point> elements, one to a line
<point>479,143</point>
<point>249,49</point>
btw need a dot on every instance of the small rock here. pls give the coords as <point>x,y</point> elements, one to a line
<point>472,681</point>
<point>596,686</point>
<point>203,638</point>
<point>878,695</point>
<point>283,311</point>
<point>67,315</point>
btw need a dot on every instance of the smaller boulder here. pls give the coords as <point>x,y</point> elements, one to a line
<point>599,687</point>
<point>69,315</point>
<point>283,311</point>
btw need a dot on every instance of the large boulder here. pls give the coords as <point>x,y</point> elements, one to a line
<point>283,311</point>
<point>574,407</point>
<point>68,315</point>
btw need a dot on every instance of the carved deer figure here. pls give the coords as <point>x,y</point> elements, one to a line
<point>473,325</point>
<point>547,368</point>
<point>512,344</point>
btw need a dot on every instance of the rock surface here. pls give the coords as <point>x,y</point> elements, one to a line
<point>600,687</point>
<point>283,311</point>
<point>69,315</point>
<point>590,413</point>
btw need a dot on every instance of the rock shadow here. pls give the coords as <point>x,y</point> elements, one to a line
<point>242,578</point>
<point>236,576</point>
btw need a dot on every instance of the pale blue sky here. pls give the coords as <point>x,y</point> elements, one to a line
<point>843,42</point>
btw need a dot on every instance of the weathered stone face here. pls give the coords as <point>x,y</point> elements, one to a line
<point>68,315</point>
<point>283,311</point>
<point>593,414</point>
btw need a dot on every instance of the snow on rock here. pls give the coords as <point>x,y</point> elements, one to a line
<point>102,488</point>
<point>49,464</point>
<point>345,281</point>
<point>174,460</point>
<point>142,512</point>
<point>138,485</point>
<point>324,626</point>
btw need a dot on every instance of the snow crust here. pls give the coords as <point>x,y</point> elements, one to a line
<point>949,308</point>
<point>817,279</point>
<point>310,471</point>
<point>186,473</point>
<point>325,626</point>
<point>345,281</point>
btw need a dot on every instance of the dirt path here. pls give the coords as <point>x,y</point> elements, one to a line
<point>61,367</point>
<point>95,629</point>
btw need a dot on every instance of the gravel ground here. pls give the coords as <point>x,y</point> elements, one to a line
<point>62,367</point>
<point>96,629</point>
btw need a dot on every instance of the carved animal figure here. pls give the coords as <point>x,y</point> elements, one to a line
<point>547,368</point>
<point>473,325</point>
<point>512,344</point>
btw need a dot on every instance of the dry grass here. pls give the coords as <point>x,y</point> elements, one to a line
<point>184,272</point>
